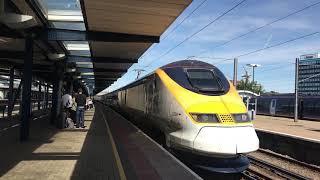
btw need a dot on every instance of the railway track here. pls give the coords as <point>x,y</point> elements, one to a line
<point>289,159</point>
<point>261,169</point>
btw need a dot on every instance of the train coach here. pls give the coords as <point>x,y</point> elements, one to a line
<point>198,111</point>
<point>283,105</point>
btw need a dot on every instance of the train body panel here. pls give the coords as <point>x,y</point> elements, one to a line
<point>232,140</point>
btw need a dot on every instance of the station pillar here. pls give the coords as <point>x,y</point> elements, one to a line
<point>39,96</point>
<point>10,104</point>
<point>56,110</point>
<point>26,91</point>
<point>47,96</point>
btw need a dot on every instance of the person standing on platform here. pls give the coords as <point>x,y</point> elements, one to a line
<point>74,109</point>
<point>81,102</point>
<point>67,104</point>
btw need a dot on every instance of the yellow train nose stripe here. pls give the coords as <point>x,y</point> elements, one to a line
<point>193,102</point>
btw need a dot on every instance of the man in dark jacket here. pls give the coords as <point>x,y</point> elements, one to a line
<point>81,102</point>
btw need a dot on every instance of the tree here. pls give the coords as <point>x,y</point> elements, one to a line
<point>250,86</point>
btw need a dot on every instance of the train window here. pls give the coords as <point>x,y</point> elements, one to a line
<point>179,75</point>
<point>204,80</point>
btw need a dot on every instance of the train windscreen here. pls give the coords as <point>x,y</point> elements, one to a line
<point>208,81</point>
<point>203,80</point>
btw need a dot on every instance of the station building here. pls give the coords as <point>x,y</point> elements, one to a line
<point>309,65</point>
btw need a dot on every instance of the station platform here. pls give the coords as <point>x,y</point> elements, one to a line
<point>109,147</point>
<point>299,140</point>
<point>309,130</point>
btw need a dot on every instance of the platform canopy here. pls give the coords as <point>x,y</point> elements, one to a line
<point>102,39</point>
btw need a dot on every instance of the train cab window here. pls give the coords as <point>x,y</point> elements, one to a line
<point>203,80</point>
<point>207,80</point>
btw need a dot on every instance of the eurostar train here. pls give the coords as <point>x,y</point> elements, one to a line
<point>197,109</point>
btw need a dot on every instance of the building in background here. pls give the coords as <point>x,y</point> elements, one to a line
<point>309,65</point>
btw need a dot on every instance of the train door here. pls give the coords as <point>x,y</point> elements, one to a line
<point>273,105</point>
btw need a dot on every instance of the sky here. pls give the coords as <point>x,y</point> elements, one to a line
<point>277,64</point>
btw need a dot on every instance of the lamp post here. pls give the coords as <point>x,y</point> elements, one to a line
<point>253,67</point>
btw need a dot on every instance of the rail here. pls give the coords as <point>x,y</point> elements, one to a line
<point>279,171</point>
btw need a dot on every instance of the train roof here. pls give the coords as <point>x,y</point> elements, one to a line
<point>287,95</point>
<point>179,63</point>
<point>188,63</point>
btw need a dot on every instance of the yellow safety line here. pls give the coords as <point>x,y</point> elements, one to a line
<point>115,151</point>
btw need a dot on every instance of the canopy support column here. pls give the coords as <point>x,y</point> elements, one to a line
<point>10,93</point>
<point>26,91</point>
<point>47,96</point>
<point>56,96</point>
<point>39,96</point>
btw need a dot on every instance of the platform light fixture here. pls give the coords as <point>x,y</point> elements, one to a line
<point>87,73</point>
<point>65,18</point>
<point>253,68</point>
<point>76,46</point>
<point>56,56</point>
<point>77,77</point>
<point>71,70</point>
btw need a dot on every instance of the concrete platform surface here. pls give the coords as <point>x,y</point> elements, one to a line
<point>143,158</point>
<point>109,148</point>
<point>58,154</point>
<point>305,129</point>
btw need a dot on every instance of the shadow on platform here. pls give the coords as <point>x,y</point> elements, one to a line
<point>13,151</point>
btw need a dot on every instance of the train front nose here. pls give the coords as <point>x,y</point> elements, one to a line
<point>226,140</point>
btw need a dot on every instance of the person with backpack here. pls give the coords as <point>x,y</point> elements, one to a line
<point>81,103</point>
<point>67,105</point>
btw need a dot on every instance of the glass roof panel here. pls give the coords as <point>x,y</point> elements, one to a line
<point>80,53</point>
<point>85,65</point>
<point>76,45</point>
<point>87,73</point>
<point>67,14</point>
<point>62,7</point>
<point>69,25</point>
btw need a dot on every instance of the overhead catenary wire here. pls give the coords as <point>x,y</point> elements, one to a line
<point>268,47</point>
<point>278,44</point>
<point>195,33</point>
<point>279,67</point>
<point>280,63</point>
<point>189,15</point>
<point>263,26</point>
<point>178,25</point>
<point>276,68</point>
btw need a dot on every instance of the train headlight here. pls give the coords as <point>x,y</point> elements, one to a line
<point>203,118</point>
<point>243,117</point>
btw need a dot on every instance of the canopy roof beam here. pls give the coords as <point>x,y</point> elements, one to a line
<point>84,70</point>
<point>75,35</point>
<point>73,59</point>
